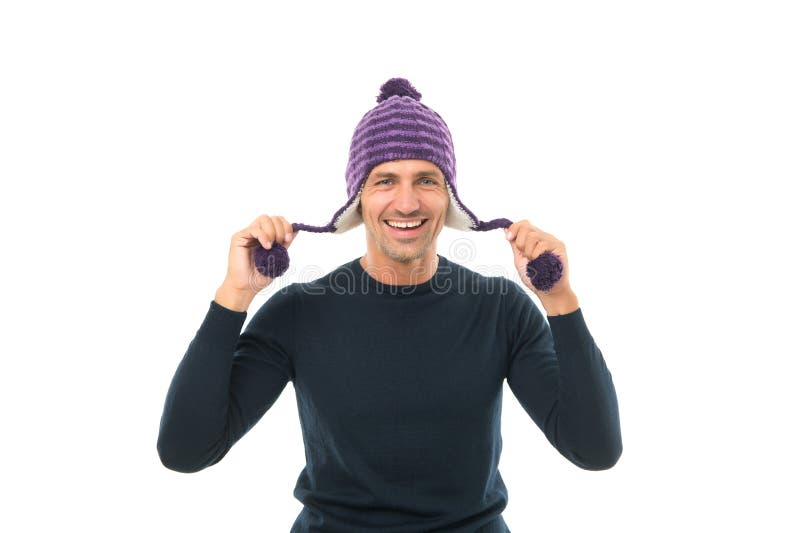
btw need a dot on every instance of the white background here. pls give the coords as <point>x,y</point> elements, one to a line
<point>659,141</point>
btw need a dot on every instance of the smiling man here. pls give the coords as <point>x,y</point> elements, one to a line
<point>398,357</point>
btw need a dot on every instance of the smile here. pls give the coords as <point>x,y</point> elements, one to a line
<point>406,227</point>
<point>405,224</point>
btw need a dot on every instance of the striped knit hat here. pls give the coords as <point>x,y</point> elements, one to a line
<point>400,127</point>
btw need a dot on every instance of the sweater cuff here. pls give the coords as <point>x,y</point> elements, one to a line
<point>221,326</point>
<point>224,313</point>
<point>576,315</point>
<point>570,330</point>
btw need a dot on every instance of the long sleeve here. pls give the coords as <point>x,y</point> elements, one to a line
<point>225,383</point>
<point>558,374</point>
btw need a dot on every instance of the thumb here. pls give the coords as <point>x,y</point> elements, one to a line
<point>520,260</point>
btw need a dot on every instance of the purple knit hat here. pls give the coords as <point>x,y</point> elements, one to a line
<point>401,127</point>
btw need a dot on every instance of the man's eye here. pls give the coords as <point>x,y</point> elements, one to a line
<point>385,181</point>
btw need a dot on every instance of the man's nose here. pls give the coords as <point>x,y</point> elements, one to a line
<point>407,199</point>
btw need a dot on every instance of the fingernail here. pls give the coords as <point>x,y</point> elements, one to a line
<point>288,237</point>
<point>508,235</point>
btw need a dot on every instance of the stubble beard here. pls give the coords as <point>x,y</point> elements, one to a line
<point>389,246</point>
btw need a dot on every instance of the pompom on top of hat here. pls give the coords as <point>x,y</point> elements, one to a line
<point>398,87</point>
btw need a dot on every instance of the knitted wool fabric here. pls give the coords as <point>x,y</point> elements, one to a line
<point>401,127</point>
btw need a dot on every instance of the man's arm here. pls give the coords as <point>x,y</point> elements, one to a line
<point>225,383</point>
<point>558,374</point>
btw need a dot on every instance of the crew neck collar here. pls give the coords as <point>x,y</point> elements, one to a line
<point>373,286</point>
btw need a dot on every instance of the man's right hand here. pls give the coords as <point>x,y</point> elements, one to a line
<point>243,280</point>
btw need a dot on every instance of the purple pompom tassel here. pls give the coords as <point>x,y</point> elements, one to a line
<point>545,271</point>
<point>398,87</point>
<point>273,262</point>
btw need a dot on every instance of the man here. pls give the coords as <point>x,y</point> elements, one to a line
<point>397,357</point>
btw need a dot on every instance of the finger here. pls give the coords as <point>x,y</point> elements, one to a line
<point>540,248</point>
<point>530,243</point>
<point>279,228</point>
<point>522,236</point>
<point>513,229</point>
<point>537,236</point>
<point>518,257</point>
<point>265,230</point>
<point>511,232</point>
<point>247,236</point>
<point>519,233</point>
<point>262,237</point>
<point>288,232</point>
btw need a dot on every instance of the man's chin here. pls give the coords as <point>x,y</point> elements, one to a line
<point>404,256</point>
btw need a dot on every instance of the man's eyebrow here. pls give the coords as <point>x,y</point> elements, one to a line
<point>393,175</point>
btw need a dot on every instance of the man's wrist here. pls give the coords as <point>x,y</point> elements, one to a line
<point>233,299</point>
<point>560,304</point>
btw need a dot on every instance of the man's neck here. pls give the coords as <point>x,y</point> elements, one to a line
<point>391,272</point>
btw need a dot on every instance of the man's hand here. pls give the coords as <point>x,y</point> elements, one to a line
<point>243,280</point>
<point>528,242</point>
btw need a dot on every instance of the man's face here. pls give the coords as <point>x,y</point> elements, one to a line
<point>406,190</point>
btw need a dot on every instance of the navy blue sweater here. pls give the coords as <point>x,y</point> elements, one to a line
<point>399,394</point>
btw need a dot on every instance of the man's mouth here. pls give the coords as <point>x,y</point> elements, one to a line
<point>405,227</point>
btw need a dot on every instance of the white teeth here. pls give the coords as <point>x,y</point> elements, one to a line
<point>404,224</point>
